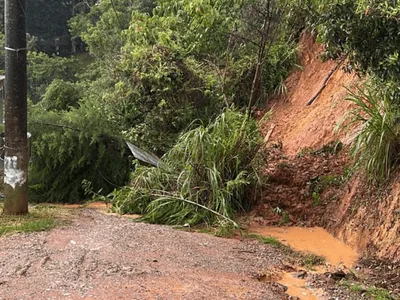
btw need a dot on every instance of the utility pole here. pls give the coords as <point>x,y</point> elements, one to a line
<point>16,140</point>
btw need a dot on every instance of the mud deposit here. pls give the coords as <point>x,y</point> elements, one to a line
<point>314,240</point>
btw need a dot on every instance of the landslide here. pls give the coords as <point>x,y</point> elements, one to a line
<point>310,179</point>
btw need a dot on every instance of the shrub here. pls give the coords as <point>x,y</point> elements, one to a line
<point>202,179</point>
<point>70,147</point>
<point>303,15</point>
<point>366,32</point>
<point>43,69</point>
<point>377,145</point>
<point>158,95</point>
<point>61,95</point>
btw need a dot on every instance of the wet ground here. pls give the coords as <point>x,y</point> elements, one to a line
<point>313,240</point>
<point>106,256</point>
<point>100,256</point>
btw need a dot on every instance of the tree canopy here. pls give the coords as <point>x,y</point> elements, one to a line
<point>146,71</point>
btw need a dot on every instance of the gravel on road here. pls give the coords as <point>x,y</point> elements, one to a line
<point>108,257</point>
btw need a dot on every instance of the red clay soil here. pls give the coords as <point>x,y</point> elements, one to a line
<point>369,220</point>
<point>300,140</point>
<point>303,190</point>
<point>366,218</point>
<point>108,257</point>
<point>300,149</point>
<point>299,126</point>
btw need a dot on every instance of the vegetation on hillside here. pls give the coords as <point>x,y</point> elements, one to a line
<point>377,146</point>
<point>175,77</point>
<point>149,81</point>
<point>366,36</point>
<point>202,179</point>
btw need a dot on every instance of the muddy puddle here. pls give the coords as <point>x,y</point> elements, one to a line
<point>297,288</point>
<point>312,240</point>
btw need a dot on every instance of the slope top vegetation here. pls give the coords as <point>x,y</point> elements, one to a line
<point>181,79</point>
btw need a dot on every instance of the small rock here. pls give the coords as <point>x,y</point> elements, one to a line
<point>302,274</point>
<point>22,271</point>
<point>281,286</point>
<point>338,275</point>
<point>44,261</point>
<point>330,281</point>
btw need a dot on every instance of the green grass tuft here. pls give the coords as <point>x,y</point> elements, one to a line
<point>268,240</point>
<point>371,291</point>
<point>310,260</point>
<point>40,218</point>
<point>29,226</point>
<point>379,294</point>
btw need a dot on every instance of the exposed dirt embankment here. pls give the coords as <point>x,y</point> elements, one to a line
<point>370,221</point>
<point>312,187</point>
<point>298,125</point>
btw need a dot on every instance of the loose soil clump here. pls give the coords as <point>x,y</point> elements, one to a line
<point>301,190</point>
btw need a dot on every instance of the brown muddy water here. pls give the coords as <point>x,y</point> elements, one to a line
<point>314,240</point>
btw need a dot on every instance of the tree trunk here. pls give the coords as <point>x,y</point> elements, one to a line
<point>16,140</point>
<point>265,32</point>
<point>255,87</point>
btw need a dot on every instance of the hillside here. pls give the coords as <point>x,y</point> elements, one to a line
<point>273,130</point>
<point>364,218</point>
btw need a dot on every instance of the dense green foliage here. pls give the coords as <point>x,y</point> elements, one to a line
<point>43,69</point>
<point>152,76</point>
<point>203,178</point>
<point>71,146</point>
<point>61,95</point>
<point>165,75</point>
<point>367,33</point>
<point>378,144</point>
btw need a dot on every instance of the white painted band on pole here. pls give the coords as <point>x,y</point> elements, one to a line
<point>15,50</point>
<point>13,176</point>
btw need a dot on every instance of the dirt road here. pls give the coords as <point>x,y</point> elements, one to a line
<point>108,257</point>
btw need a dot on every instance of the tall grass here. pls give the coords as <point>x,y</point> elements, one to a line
<point>202,179</point>
<point>377,146</point>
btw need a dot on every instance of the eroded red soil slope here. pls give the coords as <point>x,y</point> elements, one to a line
<point>298,162</point>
